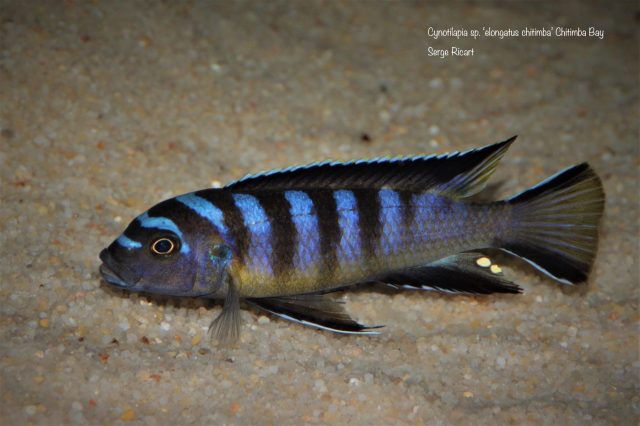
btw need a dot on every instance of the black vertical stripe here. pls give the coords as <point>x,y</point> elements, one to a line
<point>283,231</point>
<point>329,229</point>
<point>233,220</point>
<point>368,204</point>
<point>184,218</point>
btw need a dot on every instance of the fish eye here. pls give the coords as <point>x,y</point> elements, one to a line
<point>163,246</point>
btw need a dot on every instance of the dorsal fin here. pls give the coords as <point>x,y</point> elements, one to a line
<point>457,174</point>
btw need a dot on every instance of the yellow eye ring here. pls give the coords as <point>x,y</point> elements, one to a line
<point>163,246</point>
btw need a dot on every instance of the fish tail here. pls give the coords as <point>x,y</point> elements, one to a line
<point>555,224</point>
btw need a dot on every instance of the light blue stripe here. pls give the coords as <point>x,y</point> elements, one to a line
<point>391,219</point>
<point>128,243</point>
<point>257,224</point>
<point>163,223</point>
<point>306,223</point>
<point>207,210</point>
<point>350,246</point>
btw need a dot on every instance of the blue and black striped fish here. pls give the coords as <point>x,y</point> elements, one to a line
<point>281,239</point>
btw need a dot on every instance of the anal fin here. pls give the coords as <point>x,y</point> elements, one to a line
<point>313,310</point>
<point>466,273</point>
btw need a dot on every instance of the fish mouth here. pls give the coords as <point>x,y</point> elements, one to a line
<point>112,278</point>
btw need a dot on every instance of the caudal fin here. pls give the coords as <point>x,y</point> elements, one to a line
<point>556,224</point>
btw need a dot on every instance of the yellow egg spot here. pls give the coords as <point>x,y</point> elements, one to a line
<point>483,262</point>
<point>44,323</point>
<point>495,269</point>
<point>196,339</point>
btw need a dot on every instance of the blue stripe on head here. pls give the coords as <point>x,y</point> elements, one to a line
<point>206,209</point>
<point>257,223</point>
<point>128,243</point>
<point>391,213</point>
<point>306,222</point>
<point>163,223</point>
<point>350,247</point>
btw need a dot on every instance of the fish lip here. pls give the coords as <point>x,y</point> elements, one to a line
<point>112,278</point>
<point>126,278</point>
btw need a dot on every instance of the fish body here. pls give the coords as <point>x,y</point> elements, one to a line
<point>288,242</point>
<point>280,239</point>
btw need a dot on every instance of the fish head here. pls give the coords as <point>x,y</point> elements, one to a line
<point>162,255</point>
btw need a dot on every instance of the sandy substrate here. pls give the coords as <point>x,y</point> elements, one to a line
<point>107,108</point>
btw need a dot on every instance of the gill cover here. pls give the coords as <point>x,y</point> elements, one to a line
<point>213,270</point>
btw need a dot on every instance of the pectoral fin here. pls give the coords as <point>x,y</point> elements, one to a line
<point>314,310</point>
<point>467,273</point>
<point>226,326</point>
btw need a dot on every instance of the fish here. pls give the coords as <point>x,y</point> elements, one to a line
<point>283,240</point>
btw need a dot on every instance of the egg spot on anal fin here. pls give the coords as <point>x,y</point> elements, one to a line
<point>483,262</point>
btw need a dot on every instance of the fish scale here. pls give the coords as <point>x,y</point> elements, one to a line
<point>281,239</point>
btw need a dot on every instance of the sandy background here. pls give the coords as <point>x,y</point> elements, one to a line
<point>109,107</point>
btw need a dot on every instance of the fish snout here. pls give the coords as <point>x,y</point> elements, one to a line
<point>104,255</point>
<point>116,273</point>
